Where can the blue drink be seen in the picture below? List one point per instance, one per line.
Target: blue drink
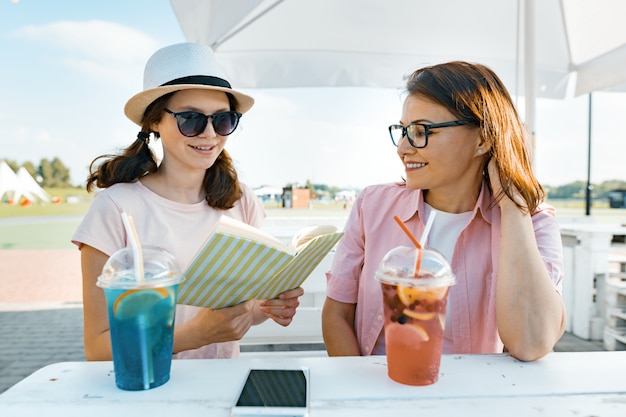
(141, 316)
(142, 331)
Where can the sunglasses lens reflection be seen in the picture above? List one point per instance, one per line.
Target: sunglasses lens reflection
(191, 123)
(225, 123)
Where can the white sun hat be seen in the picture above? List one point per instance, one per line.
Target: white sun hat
(177, 67)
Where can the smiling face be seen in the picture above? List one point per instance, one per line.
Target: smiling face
(449, 167)
(197, 153)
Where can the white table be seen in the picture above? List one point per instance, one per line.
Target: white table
(561, 384)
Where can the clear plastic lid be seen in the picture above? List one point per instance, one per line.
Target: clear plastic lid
(398, 267)
(160, 269)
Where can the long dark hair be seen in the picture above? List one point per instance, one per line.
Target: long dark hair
(474, 92)
(220, 184)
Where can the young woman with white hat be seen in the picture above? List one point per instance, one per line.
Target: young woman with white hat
(187, 104)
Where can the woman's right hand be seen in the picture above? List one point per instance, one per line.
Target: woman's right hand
(214, 326)
(223, 325)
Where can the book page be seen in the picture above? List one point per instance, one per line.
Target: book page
(307, 234)
(230, 226)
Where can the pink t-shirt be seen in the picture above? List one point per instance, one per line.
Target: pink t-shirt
(371, 232)
(176, 227)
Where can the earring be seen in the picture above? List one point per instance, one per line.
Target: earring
(479, 151)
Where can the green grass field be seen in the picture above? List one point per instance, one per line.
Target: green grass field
(43, 226)
(51, 226)
(39, 234)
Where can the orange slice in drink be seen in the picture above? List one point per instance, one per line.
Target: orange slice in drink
(420, 331)
(134, 302)
(419, 315)
(408, 295)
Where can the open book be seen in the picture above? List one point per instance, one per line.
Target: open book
(239, 262)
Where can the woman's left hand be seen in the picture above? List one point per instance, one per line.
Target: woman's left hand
(497, 190)
(283, 308)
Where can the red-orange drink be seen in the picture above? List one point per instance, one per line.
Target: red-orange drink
(415, 313)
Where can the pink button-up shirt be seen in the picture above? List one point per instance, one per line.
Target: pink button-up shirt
(371, 232)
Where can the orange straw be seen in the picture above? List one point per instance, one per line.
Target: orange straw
(415, 242)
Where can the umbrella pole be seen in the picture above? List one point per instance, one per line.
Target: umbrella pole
(589, 186)
(529, 72)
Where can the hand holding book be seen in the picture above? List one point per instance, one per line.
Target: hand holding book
(239, 262)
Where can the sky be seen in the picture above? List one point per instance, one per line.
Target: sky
(67, 67)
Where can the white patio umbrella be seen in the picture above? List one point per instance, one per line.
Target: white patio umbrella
(304, 43)
(534, 46)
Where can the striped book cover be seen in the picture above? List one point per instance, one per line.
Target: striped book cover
(231, 269)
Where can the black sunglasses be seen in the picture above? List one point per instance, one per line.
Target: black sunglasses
(192, 123)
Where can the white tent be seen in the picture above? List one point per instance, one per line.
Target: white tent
(269, 193)
(8, 180)
(15, 186)
(30, 188)
(345, 195)
(268, 190)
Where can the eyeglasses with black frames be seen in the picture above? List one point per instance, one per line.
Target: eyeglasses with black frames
(417, 133)
(192, 123)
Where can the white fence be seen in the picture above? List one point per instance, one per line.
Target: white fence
(589, 255)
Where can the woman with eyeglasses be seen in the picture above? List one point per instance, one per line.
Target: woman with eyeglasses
(466, 157)
(187, 104)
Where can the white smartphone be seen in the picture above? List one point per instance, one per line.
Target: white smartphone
(274, 392)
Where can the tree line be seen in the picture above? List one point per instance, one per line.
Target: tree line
(577, 189)
(574, 189)
(48, 173)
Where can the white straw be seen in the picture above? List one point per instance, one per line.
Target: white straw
(135, 244)
(429, 224)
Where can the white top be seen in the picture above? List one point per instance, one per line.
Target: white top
(445, 230)
(443, 235)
